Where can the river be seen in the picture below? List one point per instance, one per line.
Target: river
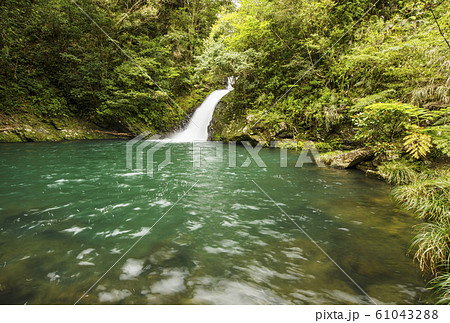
(219, 234)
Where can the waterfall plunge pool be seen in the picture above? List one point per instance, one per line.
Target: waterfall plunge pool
(68, 211)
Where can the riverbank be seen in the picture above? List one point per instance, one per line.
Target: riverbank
(31, 128)
(24, 126)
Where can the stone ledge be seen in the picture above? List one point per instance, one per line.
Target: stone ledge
(351, 159)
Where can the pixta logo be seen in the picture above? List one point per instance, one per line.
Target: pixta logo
(138, 149)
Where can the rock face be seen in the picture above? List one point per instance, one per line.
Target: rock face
(352, 158)
(30, 128)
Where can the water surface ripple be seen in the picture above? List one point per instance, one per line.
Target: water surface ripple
(69, 210)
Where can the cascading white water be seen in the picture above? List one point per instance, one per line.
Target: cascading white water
(197, 128)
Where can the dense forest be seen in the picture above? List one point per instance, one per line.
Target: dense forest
(56, 63)
(304, 69)
(344, 74)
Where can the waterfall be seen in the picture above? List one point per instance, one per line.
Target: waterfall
(197, 128)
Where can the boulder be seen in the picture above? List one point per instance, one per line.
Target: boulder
(352, 158)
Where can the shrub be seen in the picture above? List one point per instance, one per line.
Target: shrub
(386, 122)
(382, 97)
(441, 137)
(323, 146)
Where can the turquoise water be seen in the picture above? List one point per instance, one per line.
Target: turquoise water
(68, 212)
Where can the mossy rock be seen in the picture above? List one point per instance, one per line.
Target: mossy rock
(352, 158)
(9, 136)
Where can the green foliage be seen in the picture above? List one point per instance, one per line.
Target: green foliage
(398, 172)
(417, 144)
(441, 287)
(55, 62)
(386, 122)
(223, 63)
(323, 146)
(427, 198)
(441, 137)
(381, 97)
(386, 126)
(432, 247)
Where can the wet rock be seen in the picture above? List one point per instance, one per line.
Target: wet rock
(352, 158)
(10, 136)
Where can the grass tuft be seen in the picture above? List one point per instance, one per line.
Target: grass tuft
(441, 287)
(429, 198)
(398, 172)
(432, 247)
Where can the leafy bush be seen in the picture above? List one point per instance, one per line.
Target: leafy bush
(381, 97)
(323, 146)
(441, 138)
(386, 122)
(383, 125)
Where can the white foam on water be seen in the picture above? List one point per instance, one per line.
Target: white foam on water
(233, 292)
(84, 253)
(116, 232)
(194, 226)
(53, 276)
(130, 174)
(161, 203)
(172, 285)
(120, 205)
(141, 233)
(75, 230)
(86, 263)
(114, 295)
(238, 206)
(132, 268)
(61, 180)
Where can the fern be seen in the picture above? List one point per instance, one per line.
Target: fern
(441, 137)
(418, 144)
